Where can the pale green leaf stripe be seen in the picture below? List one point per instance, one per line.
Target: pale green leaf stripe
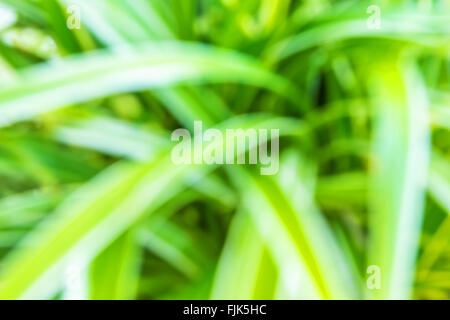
(404, 28)
(401, 152)
(60, 83)
(241, 259)
(7, 17)
(114, 137)
(441, 116)
(114, 274)
(166, 248)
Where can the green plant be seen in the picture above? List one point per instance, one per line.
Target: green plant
(93, 207)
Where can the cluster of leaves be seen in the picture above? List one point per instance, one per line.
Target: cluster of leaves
(91, 205)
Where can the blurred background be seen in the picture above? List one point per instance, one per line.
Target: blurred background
(92, 207)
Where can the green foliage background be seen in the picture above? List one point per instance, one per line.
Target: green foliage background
(92, 207)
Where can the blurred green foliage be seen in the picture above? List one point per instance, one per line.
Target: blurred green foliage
(92, 207)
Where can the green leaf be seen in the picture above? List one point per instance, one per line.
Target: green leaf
(114, 274)
(296, 236)
(245, 269)
(77, 79)
(401, 150)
